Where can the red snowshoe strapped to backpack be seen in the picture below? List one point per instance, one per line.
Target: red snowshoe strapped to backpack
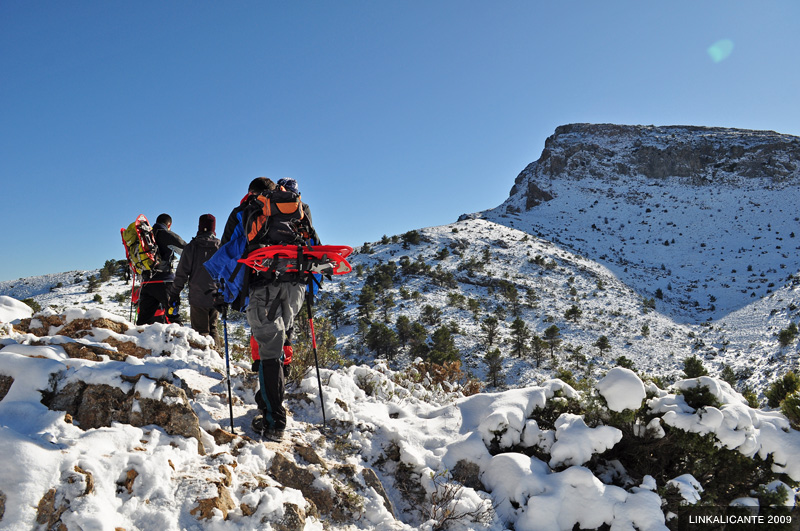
(316, 259)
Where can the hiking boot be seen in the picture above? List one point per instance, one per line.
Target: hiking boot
(263, 430)
(275, 435)
(258, 425)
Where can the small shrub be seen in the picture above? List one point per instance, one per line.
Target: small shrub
(791, 408)
(781, 388)
(700, 396)
(35, 306)
(622, 361)
(787, 335)
(693, 367)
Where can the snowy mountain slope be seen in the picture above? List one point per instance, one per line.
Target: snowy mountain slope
(702, 220)
(707, 215)
(557, 279)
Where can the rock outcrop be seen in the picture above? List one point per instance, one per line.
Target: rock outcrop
(700, 155)
(98, 405)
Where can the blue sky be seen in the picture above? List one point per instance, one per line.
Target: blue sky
(391, 115)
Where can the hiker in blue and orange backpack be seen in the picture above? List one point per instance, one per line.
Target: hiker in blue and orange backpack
(269, 259)
(268, 215)
(275, 301)
(153, 300)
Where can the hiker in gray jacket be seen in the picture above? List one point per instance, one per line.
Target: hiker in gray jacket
(202, 314)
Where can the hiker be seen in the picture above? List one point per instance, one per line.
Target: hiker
(153, 300)
(274, 301)
(203, 315)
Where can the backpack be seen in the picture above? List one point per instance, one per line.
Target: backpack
(274, 217)
(140, 245)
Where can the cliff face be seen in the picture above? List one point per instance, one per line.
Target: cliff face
(697, 155)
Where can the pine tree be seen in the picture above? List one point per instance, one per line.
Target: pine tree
(693, 367)
(93, 284)
(382, 340)
(431, 315)
(553, 337)
(494, 363)
(404, 330)
(410, 238)
(366, 303)
(538, 346)
(443, 347)
(490, 327)
(416, 340)
(781, 388)
(602, 344)
(387, 303)
(336, 312)
(520, 333)
(573, 314)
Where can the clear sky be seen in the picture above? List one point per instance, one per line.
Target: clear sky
(392, 115)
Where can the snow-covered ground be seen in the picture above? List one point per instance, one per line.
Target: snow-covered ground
(129, 477)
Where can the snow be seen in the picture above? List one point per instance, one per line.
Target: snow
(11, 309)
(432, 436)
(622, 389)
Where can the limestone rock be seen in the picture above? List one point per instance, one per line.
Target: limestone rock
(5, 385)
(98, 405)
(294, 519)
(49, 511)
(223, 502)
(128, 348)
(372, 480)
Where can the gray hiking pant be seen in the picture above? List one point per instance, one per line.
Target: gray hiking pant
(271, 313)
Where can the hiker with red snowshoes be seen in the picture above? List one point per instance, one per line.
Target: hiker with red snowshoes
(153, 300)
(203, 315)
(268, 215)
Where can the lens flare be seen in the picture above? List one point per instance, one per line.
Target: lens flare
(720, 50)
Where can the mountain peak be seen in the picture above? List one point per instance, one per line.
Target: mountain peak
(698, 155)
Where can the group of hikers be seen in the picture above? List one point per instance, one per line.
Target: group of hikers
(272, 299)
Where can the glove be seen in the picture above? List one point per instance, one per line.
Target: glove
(256, 365)
(218, 302)
(174, 307)
(287, 354)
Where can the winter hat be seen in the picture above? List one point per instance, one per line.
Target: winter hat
(290, 185)
(208, 223)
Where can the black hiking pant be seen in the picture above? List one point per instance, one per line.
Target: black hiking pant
(269, 395)
(152, 298)
(204, 321)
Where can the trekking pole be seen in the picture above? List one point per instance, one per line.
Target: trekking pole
(133, 287)
(228, 363)
(309, 296)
